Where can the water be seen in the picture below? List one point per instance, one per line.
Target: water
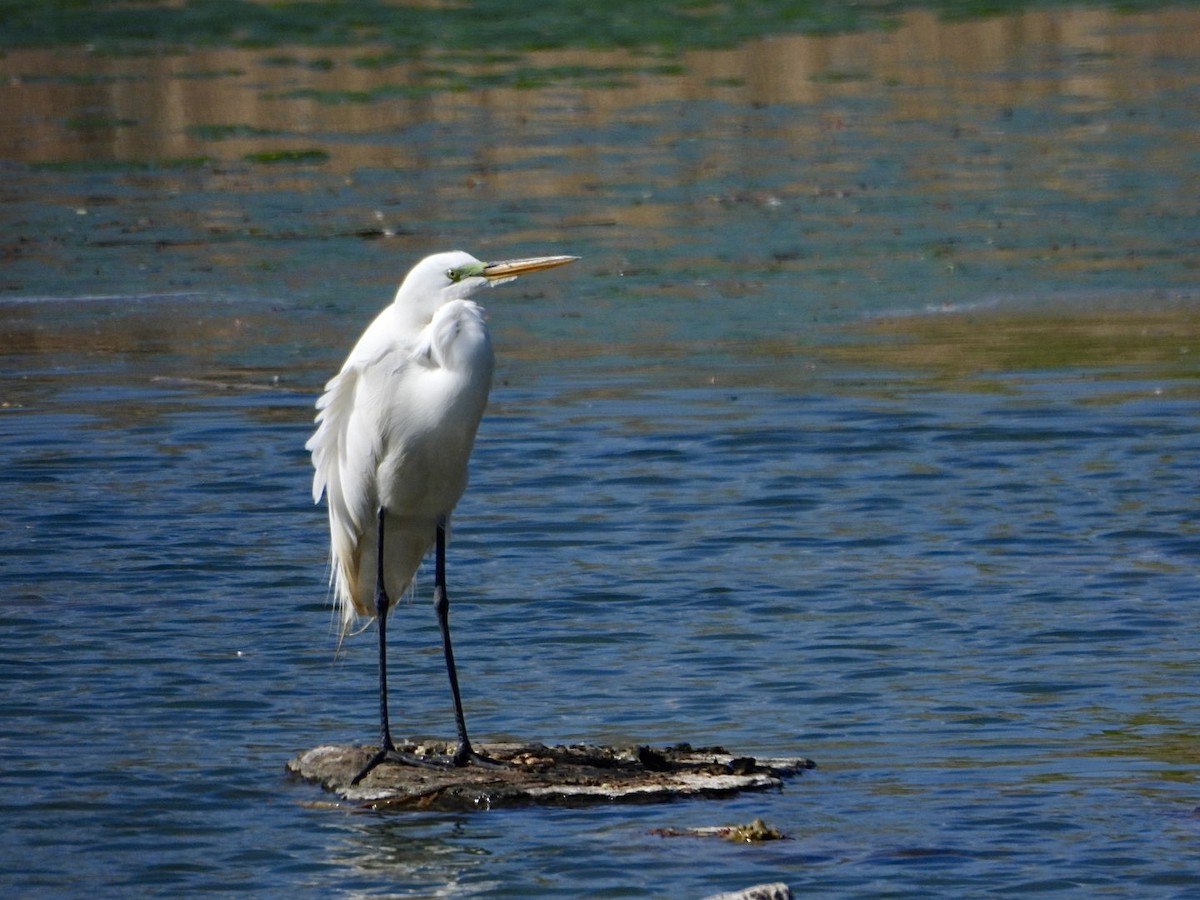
(865, 430)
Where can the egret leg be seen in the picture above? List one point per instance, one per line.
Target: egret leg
(465, 753)
(387, 750)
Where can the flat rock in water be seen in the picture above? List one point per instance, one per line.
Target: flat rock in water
(536, 774)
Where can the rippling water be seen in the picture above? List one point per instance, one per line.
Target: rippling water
(738, 484)
(971, 606)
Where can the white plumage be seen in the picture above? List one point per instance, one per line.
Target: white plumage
(394, 434)
(396, 427)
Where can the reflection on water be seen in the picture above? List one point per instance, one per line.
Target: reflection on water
(780, 185)
(224, 102)
(865, 429)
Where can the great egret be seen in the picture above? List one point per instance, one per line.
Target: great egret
(394, 431)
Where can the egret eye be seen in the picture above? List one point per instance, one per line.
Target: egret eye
(453, 275)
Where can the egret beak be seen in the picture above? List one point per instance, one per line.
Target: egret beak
(511, 268)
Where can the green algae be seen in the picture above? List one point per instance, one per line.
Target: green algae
(308, 156)
(977, 342)
(482, 25)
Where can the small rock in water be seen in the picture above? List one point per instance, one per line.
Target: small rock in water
(750, 833)
(775, 891)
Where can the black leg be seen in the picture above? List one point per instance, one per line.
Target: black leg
(387, 750)
(465, 753)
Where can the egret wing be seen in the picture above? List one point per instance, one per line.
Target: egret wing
(346, 450)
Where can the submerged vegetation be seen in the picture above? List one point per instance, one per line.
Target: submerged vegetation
(478, 25)
(1005, 340)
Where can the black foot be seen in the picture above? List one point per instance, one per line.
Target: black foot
(379, 757)
(466, 755)
(392, 755)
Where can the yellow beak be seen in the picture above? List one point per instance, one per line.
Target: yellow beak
(511, 268)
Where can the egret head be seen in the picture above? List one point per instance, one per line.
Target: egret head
(438, 279)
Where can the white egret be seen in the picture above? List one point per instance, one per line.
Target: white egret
(394, 432)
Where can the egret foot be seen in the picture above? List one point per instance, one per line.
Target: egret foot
(466, 755)
(393, 755)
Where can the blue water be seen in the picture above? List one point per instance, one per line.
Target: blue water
(713, 499)
(972, 608)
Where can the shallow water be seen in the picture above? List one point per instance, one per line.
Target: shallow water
(865, 430)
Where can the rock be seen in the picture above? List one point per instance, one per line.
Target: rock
(749, 833)
(533, 773)
(775, 891)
